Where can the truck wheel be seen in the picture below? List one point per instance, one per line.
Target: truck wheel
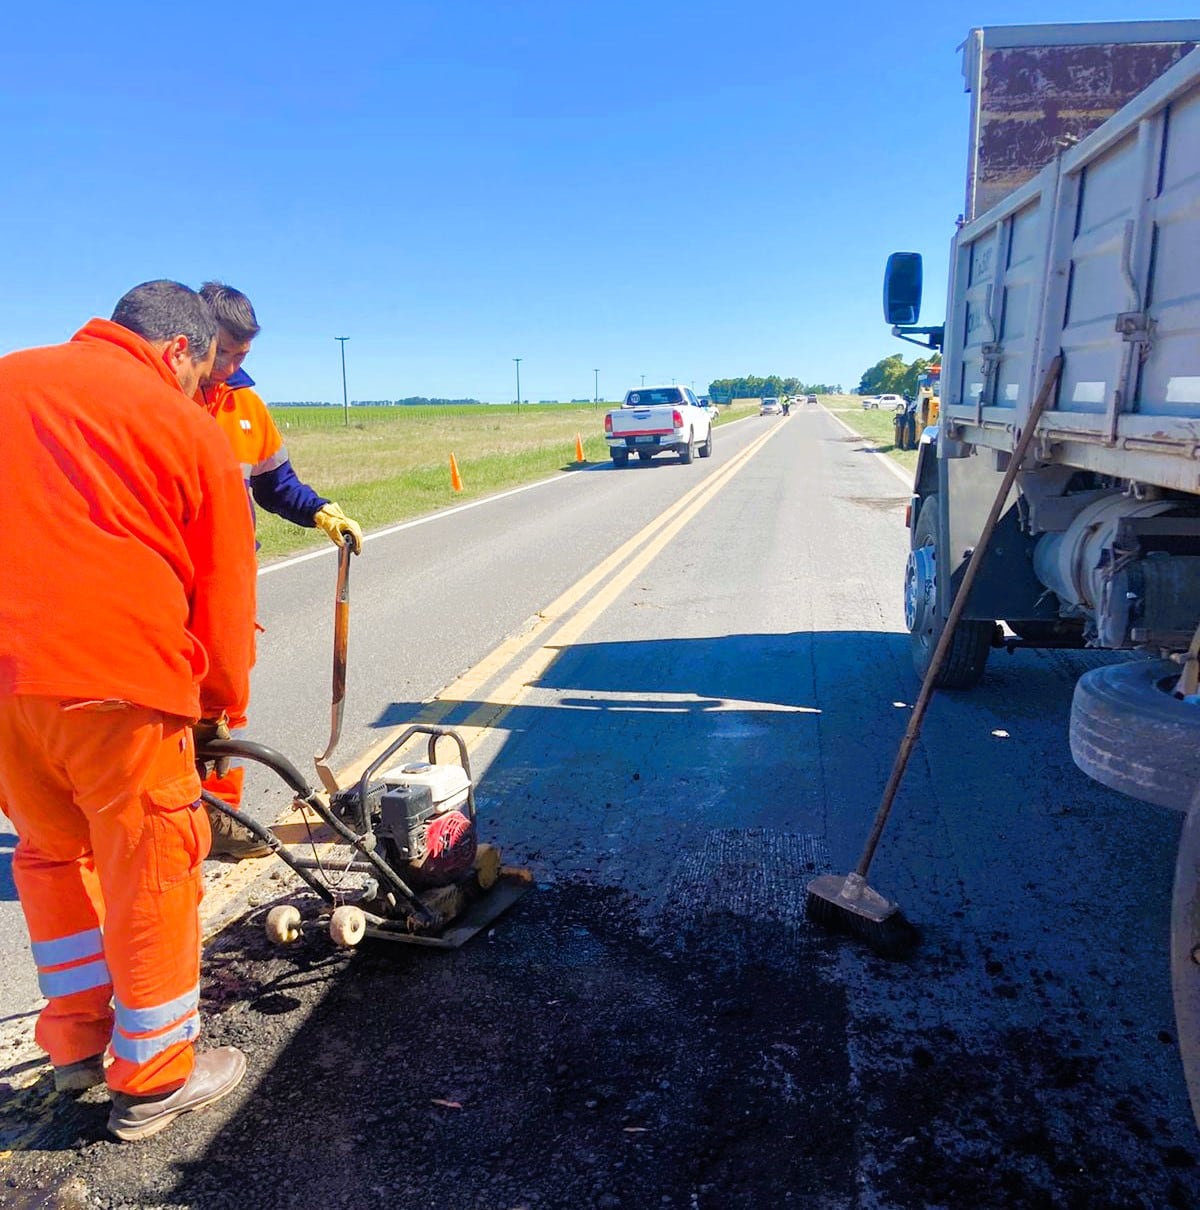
(1129, 733)
(972, 640)
(706, 448)
(620, 457)
(1185, 952)
(644, 456)
(688, 452)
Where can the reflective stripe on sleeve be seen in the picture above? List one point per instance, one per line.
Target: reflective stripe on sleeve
(73, 948)
(278, 458)
(74, 979)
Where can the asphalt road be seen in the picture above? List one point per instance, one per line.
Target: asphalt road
(673, 747)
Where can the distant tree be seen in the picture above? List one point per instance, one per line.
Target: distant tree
(892, 376)
(885, 377)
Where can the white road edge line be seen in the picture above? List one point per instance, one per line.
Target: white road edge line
(890, 463)
(331, 551)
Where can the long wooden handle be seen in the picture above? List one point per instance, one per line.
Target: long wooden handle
(956, 610)
(341, 642)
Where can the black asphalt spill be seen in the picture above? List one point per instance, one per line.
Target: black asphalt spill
(571, 1058)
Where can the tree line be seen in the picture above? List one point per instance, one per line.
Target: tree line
(721, 390)
(891, 376)
(413, 401)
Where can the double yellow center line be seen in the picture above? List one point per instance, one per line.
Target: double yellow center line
(509, 672)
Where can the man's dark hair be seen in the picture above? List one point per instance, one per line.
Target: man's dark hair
(232, 309)
(162, 310)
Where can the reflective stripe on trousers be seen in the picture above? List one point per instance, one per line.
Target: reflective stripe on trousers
(143, 1033)
(70, 964)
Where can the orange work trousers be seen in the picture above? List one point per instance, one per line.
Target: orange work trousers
(104, 797)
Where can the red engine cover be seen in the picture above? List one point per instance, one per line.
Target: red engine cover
(449, 850)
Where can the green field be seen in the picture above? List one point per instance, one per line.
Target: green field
(391, 464)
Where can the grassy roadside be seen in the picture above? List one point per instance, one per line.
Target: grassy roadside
(387, 469)
(873, 424)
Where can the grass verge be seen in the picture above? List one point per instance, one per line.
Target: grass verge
(875, 425)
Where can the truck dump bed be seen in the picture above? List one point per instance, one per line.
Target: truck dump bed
(1099, 256)
(1036, 89)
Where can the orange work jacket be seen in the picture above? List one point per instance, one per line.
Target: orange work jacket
(127, 545)
(258, 446)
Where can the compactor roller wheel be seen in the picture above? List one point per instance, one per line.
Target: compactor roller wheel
(487, 866)
(347, 926)
(283, 924)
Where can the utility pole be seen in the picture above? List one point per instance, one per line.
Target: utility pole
(518, 361)
(596, 396)
(643, 380)
(345, 397)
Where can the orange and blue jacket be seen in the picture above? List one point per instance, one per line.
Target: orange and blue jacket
(258, 446)
(131, 574)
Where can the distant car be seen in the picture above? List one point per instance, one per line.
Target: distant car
(884, 401)
(771, 407)
(811, 399)
(711, 408)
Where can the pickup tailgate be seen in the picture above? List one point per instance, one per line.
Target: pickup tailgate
(643, 422)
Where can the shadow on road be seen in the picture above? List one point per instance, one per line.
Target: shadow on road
(8, 888)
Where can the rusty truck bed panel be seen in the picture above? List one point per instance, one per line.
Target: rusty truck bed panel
(1031, 101)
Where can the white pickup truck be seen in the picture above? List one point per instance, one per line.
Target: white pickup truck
(654, 419)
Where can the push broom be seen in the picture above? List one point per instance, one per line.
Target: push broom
(850, 904)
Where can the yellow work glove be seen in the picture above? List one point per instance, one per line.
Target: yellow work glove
(208, 729)
(340, 528)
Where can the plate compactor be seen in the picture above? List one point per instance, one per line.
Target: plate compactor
(403, 861)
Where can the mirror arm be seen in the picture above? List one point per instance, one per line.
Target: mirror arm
(936, 336)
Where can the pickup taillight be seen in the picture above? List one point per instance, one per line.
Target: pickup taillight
(608, 424)
(677, 419)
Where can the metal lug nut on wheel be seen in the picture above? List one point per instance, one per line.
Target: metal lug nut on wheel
(283, 924)
(347, 926)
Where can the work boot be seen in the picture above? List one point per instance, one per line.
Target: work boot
(80, 1075)
(216, 1073)
(232, 839)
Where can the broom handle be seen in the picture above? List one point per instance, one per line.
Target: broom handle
(960, 601)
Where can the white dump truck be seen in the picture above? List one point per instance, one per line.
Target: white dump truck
(1079, 288)
(1095, 258)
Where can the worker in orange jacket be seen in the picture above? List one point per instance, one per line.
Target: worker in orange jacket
(129, 636)
(273, 484)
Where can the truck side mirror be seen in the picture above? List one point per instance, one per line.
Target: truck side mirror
(902, 289)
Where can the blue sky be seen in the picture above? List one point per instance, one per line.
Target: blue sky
(681, 190)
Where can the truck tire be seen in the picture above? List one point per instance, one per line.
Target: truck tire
(620, 457)
(688, 452)
(706, 448)
(1185, 940)
(967, 657)
(1129, 733)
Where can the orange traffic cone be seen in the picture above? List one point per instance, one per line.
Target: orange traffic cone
(579, 449)
(455, 477)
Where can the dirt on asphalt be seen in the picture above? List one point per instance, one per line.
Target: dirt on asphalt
(582, 1055)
